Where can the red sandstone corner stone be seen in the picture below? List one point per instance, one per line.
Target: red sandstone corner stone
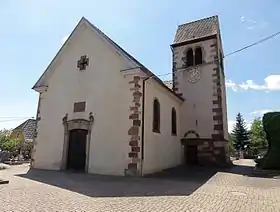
(136, 123)
(133, 108)
(133, 143)
(215, 80)
(217, 110)
(137, 94)
(218, 117)
(137, 104)
(134, 116)
(218, 127)
(219, 101)
(135, 149)
(133, 155)
(133, 130)
(132, 166)
(135, 137)
(136, 100)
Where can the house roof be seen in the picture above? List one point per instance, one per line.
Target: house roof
(197, 29)
(121, 50)
(28, 128)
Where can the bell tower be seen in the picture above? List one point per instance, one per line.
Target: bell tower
(198, 76)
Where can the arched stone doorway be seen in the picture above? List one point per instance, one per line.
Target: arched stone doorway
(76, 154)
(190, 147)
(76, 146)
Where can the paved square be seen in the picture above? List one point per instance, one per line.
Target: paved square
(195, 190)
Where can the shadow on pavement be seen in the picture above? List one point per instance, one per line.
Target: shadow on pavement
(200, 173)
(110, 186)
(179, 181)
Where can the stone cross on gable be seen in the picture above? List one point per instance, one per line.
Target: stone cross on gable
(83, 63)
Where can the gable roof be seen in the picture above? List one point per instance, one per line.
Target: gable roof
(168, 83)
(124, 53)
(28, 129)
(197, 29)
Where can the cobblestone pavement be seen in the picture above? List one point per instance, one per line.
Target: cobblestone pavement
(231, 190)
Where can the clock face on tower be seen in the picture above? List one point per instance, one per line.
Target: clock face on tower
(194, 75)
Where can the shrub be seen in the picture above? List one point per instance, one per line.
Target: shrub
(271, 124)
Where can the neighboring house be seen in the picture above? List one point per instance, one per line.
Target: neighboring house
(25, 131)
(102, 111)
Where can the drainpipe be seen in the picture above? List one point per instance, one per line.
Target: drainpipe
(143, 123)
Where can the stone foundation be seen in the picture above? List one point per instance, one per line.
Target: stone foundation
(210, 152)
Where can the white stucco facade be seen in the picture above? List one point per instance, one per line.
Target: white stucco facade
(106, 93)
(106, 89)
(197, 110)
(117, 94)
(161, 150)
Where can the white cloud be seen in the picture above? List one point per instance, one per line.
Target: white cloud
(251, 24)
(231, 84)
(262, 112)
(249, 84)
(271, 83)
(250, 27)
(231, 124)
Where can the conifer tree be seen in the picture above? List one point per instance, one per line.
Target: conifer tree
(240, 133)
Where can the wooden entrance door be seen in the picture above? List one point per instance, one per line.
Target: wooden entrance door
(191, 154)
(76, 159)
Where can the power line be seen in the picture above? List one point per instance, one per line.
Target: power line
(10, 120)
(253, 44)
(19, 117)
(160, 75)
(231, 53)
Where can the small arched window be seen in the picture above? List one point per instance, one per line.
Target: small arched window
(173, 122)
(189, 58)
(198, 56)
(156, 116)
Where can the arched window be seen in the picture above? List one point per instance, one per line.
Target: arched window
(156, 116)
(173, 122)
(189, 58)
(198, 56)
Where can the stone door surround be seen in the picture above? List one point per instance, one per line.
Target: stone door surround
(72, 124)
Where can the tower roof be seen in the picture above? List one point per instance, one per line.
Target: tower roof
(197, 29)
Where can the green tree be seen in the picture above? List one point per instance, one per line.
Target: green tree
(240, 133)
(4, 137)
(231, 143)
(12, 146)
(257, 135)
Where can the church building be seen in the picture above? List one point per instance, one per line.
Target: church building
(103, 112)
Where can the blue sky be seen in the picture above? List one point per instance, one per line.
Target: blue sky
(32, 32)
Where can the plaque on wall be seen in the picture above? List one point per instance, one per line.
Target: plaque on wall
(79, 106)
